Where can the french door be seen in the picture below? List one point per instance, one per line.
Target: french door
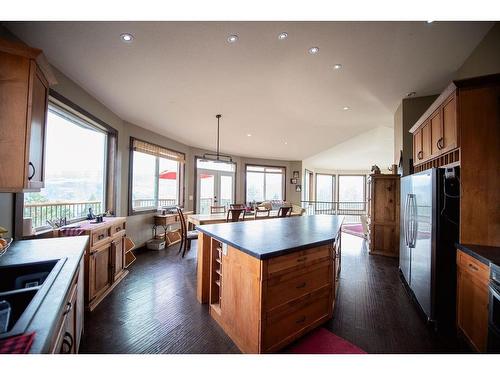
(214, 187)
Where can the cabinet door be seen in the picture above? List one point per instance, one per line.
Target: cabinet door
(436, 136)
(118, 257)
(449, 141)
(37, 121)
(100, 271)
(417, 147)
(14, 73)
(472, 308)
(426, 141)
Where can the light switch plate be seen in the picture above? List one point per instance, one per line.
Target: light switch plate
(224, 248)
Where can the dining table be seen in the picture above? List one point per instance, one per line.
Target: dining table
(216, 218)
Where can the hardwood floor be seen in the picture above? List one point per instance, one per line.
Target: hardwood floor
(154, 309)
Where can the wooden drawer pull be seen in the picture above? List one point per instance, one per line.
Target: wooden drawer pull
(301, 285)
(473, 267)
(69, 305)
(118, 229)
(301, 320)
(100, 237)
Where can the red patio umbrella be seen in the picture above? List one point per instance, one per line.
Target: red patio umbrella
(172, 175)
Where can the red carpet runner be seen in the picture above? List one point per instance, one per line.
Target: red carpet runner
(322, 341)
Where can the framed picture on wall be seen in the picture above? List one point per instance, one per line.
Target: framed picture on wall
(298, 188)
(293, 181)
(295, 174)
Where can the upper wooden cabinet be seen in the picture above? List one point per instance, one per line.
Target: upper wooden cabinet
(435, 133)
(24, 86)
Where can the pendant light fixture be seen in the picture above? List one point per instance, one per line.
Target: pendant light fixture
(218, 156)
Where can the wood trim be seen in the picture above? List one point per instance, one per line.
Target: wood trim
(266, 166)
(195, 181)
(182, 176)
(434, 106)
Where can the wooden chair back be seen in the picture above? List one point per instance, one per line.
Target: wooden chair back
(233, 214)
(285, 211)
(261, 213)
(183, 222)
(217, 209)
(237, 206)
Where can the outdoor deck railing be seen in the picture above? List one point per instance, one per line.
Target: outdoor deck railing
(351, 210)
(40, 212)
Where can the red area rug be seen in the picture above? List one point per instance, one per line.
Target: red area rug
(354, 229)
(322, 341)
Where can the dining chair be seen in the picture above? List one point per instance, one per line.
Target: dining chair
(217, 209)
(285, 211)
(186, 235)
(237, 206)
(233, 214)
(261, 213)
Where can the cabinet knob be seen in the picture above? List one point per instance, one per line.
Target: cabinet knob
(69, 305)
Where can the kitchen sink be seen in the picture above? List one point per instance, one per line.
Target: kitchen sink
(24, 287)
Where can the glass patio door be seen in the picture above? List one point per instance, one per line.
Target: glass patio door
(215, 185)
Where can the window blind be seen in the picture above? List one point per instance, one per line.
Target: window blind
(162, 152)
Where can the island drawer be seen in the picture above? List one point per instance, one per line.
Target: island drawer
(473, 266)
(290, 286)
(118, 227)
(288, 323)
(299, 259)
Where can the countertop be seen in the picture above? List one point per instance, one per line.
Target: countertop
(485, 254)
(269, 238)
(46, 317)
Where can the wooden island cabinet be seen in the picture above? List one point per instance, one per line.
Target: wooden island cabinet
(105, 257)
(268, 282)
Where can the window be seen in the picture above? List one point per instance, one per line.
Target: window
(351, 188)
(265, 183)
(156, 174)
(75, 170)
(325, 187)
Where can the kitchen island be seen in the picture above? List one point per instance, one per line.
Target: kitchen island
(268, 282)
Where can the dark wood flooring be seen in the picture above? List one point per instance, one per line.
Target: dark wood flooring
(154, 309)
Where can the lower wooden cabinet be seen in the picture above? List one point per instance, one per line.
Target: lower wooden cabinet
(70, 327)
(472, 300)
(100, 276)
(105, 264)
(283, 297)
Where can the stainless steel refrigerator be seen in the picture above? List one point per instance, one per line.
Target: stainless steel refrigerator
(428, 233)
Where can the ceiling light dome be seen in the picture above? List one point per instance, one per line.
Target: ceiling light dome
(313, 50)
(337, 66)
(127, 37)
(282, 36)
(232, 38)
(346, 108)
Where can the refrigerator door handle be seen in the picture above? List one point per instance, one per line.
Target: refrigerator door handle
(414, 226)
(405, 219)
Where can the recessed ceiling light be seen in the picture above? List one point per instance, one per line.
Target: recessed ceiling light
(337, 66)
(232, 38)
(286, 142)
(249, 135)
(282, 36)
(313, 50)
(412, 93)
(127, 37)
(346, 108)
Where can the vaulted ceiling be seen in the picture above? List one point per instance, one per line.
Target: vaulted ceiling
(176, 76)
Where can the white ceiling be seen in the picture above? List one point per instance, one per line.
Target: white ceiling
(375, 146)
(176, 76)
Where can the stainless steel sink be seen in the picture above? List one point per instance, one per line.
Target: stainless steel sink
(24, 287)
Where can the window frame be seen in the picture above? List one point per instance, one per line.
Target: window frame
(352, 175)
(181, 183)
(334, 186)
(283, 168)
(110, 164)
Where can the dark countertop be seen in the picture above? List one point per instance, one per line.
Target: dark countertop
(485, 254)
(46, 317)
(269, 238)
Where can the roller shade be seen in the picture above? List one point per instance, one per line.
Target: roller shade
(151, 149)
